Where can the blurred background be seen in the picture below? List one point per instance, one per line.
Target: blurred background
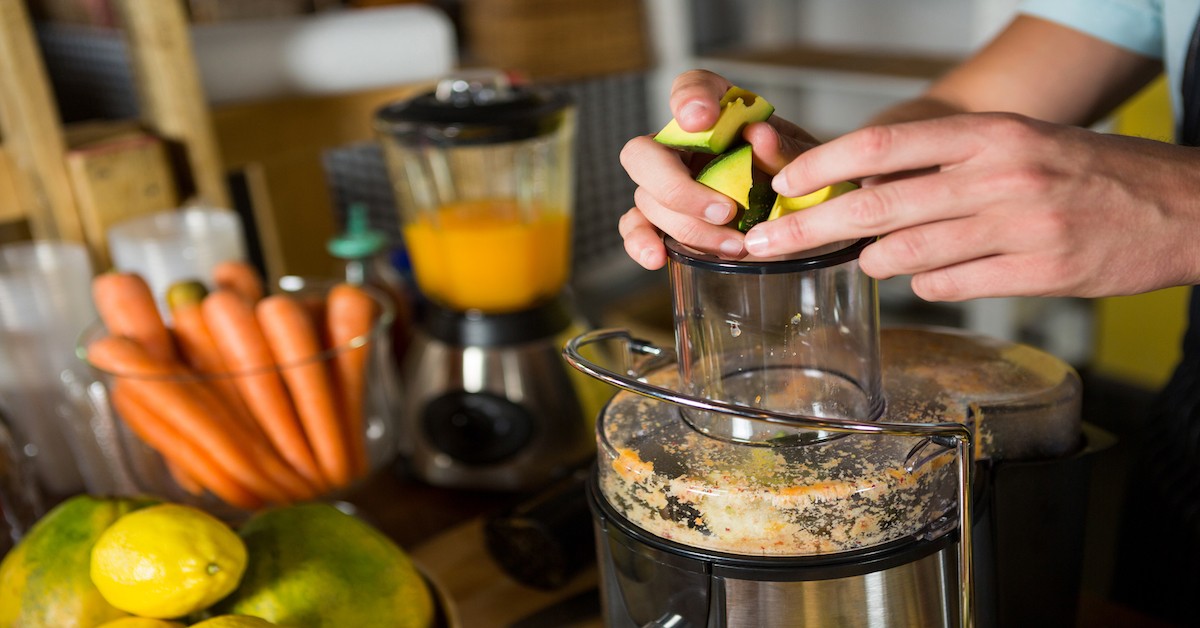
(115, 109)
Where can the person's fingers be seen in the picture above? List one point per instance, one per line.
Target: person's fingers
(774, 148)
(894, 148)
(996, 276)
(695, 98)
(719, 240)
(643, 242)
(931, 246)
(866, 212)
(658, 171)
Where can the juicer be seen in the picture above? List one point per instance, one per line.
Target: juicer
(788, 463)
(482, 174)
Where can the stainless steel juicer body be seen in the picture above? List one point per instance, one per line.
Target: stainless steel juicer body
(718, 509)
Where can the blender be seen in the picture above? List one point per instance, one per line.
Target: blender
(482, 174)
(789, 463)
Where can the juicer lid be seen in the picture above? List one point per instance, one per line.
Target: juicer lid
(475, 107)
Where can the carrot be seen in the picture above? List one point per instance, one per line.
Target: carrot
(294, 343)
(240, 278)
(127, 308)
(244, 350)
(181, 454)
(183, 479)
(350, 314)
(200, 350)
(161, 385)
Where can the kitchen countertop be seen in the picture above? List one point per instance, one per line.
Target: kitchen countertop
(442, 529)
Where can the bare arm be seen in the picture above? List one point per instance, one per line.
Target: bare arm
(1035, 68)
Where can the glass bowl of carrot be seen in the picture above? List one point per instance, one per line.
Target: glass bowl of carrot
(234, 400)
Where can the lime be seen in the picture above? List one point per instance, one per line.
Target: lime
(167, 561)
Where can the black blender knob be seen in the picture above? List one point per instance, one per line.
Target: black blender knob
(477, 428)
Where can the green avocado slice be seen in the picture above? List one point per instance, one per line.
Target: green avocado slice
(762, 198)
(733, 174)
(739, 107)
(784, 205)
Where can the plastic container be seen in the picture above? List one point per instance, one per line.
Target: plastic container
(176, 245)
(45, 301)
(20, 500)
(798, 336)
(160, 476)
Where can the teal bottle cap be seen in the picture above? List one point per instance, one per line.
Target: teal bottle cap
(358, 240)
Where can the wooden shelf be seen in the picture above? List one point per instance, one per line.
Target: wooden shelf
(849, 61)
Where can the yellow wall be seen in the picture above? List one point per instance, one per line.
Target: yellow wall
(1138, 336)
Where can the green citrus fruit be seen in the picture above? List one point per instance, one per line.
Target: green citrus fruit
(312, 565)
(44, 579)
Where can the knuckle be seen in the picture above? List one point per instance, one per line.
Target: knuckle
(911, 246)
(793, 233)
(868, 208)
(689, 232)
(1015, 130)
(1024, 180)
(674, 194)
(874, 141)
(936, 285)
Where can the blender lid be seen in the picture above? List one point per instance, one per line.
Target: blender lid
(475, 107)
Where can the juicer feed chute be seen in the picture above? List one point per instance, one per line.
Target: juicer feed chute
(836, 475)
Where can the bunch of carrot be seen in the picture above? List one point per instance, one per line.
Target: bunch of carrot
(240, 394)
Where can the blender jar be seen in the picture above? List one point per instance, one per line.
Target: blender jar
(482, 172)
(796, 336)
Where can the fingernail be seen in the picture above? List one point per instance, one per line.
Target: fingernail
(780, 185)
(717, 213)
(756, 243)
(690, 110)
(731, 248)
(645, 256)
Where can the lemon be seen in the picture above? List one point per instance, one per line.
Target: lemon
(167, 561)
(785, 205)
(139, 622)
(234, 621)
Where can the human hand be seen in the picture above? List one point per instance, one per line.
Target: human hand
(668, 199)
(986, 205)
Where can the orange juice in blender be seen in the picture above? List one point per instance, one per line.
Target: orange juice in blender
(489, 254)
(482, 171)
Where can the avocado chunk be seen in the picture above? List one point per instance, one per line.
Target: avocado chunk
(731, 174)
(739, 107)
(734, 175)
(784, 205)
(762, 199)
